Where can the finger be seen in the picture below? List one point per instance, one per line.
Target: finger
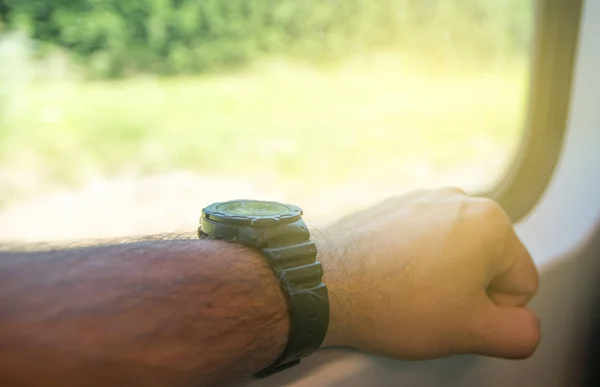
(505, 332)
(518, 280)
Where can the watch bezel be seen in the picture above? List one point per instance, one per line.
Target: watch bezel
(214, 213)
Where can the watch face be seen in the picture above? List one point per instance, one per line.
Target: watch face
(252, 212)
(252, 208)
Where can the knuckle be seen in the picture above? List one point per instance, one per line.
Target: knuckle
(451, 191)
(533, 283)
(490, 211)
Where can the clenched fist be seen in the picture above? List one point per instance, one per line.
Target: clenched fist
(430, 274)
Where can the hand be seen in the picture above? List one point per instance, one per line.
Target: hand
(430, 274)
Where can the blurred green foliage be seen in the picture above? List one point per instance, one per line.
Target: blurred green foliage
(113, 38)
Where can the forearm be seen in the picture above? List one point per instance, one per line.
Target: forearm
(162, 313)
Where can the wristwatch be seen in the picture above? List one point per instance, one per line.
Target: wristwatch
(283, 238)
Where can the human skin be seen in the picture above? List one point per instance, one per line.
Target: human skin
(421, 276)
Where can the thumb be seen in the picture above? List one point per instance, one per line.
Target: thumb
(504, 331)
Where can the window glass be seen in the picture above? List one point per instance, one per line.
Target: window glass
(124, 117)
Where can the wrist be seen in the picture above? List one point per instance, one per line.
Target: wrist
(332, 278)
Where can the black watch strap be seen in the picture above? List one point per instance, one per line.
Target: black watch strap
(300, 277)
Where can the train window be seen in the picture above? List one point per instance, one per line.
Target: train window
(147, 110)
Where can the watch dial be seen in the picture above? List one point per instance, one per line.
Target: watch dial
(252, 208)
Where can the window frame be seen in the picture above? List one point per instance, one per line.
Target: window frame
(556, 36)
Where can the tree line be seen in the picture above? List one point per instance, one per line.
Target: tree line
(114, 38)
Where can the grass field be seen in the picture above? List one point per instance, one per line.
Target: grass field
(372, 117)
